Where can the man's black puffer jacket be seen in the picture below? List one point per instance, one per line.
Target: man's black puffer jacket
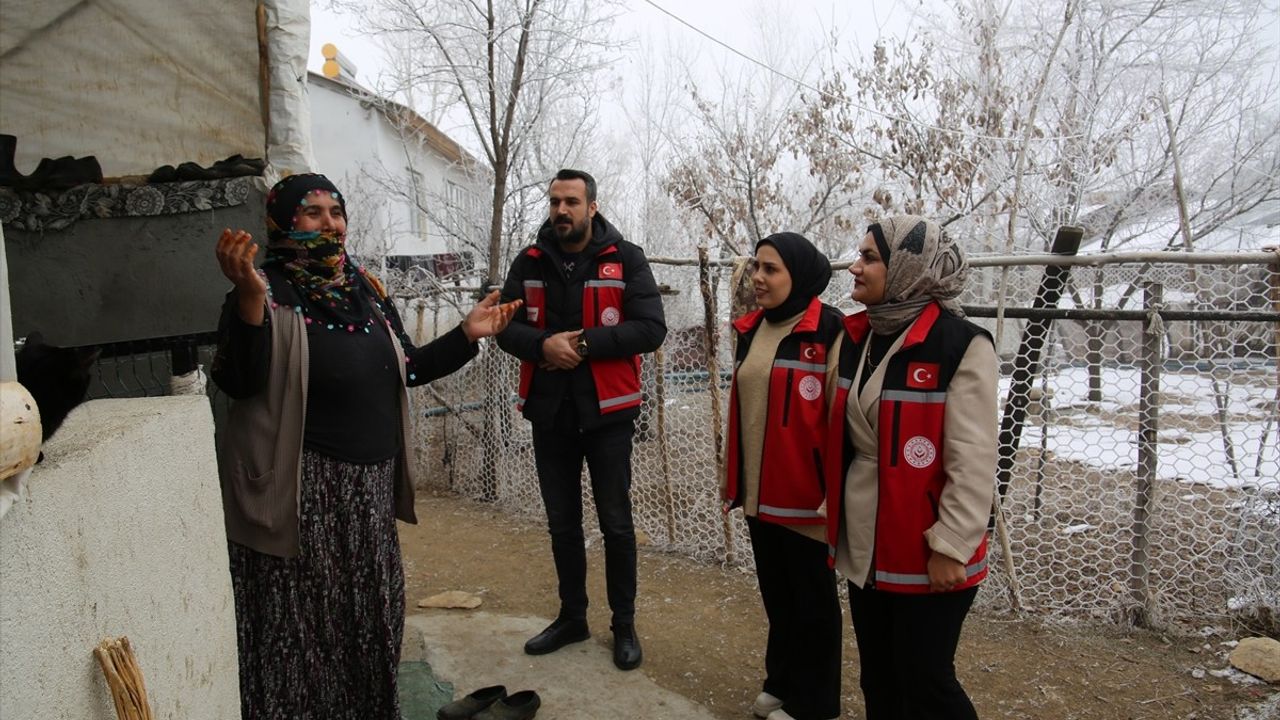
(642, 329)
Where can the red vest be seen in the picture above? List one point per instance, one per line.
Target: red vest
(911, 414)
(617, 380)
(793, 481)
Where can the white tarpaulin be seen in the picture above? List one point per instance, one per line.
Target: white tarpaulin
(145, 83)
(289, 35)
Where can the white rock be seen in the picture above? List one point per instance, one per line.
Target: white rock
(451, 599)
(1074, 529)
(1258, 656)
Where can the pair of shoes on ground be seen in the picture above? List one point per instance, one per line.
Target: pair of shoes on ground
(627, 654)
(492, 703)
(769, 707)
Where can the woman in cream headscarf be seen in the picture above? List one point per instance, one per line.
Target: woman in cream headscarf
(914, 430)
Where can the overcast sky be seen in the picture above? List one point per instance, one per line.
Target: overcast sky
(733, 22)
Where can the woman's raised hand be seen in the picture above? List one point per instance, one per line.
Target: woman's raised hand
(489, 317)
(236, 251)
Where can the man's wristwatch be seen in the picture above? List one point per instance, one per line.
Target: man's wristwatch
(582, 346)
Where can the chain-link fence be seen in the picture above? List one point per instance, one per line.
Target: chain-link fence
(1140, 427)
(1140, 466)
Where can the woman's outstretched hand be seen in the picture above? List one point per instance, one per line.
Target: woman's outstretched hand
(489, 317)
(236, 251)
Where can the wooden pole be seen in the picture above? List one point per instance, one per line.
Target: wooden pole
(419, 329)
(1094, 331)
(660, 358)
(712, 335)
(1220, 399)
(1044, 442)
(492, 432)
(1144, 493)
(1274, 419)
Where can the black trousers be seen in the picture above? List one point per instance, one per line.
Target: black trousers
(907, 648)
(802, 659)
(558, 452)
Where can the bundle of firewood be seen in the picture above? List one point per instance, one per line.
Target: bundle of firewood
(124, 677)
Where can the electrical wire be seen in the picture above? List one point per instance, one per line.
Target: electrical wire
(870, 111)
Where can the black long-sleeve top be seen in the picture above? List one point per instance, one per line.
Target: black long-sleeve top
(353, 385)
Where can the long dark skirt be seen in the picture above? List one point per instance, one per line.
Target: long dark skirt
(319, 634)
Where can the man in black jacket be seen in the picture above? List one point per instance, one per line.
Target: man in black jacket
(591, 307)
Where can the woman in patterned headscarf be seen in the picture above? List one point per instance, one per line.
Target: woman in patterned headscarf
(914, 434)
(313, 459)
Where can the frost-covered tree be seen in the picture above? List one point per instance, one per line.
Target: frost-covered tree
(510, 77)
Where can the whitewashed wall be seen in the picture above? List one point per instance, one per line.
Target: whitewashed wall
(120, 533)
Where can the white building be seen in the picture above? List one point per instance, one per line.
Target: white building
(415, 196)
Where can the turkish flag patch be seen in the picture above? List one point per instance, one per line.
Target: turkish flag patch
(922, 376)
(611, 271)
(813, 353)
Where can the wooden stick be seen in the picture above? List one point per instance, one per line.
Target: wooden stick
(124, 679)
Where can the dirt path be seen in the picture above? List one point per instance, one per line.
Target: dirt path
(703, 633)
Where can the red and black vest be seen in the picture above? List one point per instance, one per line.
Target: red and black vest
(617, 380)
(912, 410)
(793, 473)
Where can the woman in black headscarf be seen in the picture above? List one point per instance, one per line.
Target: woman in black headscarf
(778, 412)
(313, 458)
(914, 437)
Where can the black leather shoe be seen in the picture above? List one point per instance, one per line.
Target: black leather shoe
(465, 708)
(626, 647)
(516, 706)
(557, 635)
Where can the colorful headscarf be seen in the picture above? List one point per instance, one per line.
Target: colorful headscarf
(810, 273)
(922, 265)
(315, 263)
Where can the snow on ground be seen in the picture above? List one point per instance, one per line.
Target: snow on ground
(1107, 437)
(1250, 231)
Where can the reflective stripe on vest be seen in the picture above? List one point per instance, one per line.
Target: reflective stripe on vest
(632, 399)
(788, 512)
(889, 578)
(798, 365)
(914, 396)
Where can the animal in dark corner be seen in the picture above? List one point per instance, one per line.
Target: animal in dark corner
(56, 377)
